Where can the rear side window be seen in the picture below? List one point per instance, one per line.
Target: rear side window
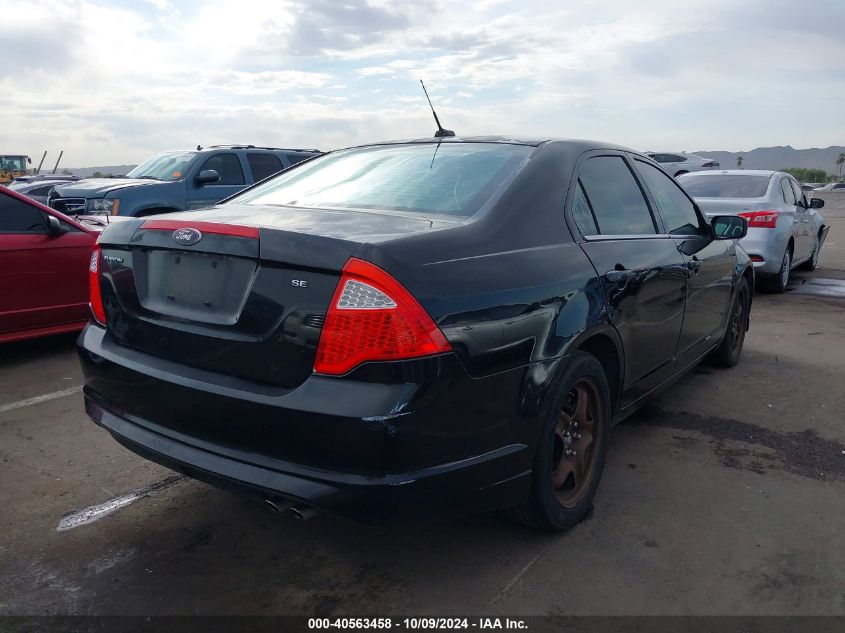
(786, 190)
(582, 213)
(724, 186)
(296, 158)
(799, 194)
(19, 217)
(229, 168)
(675, 208)
(431, 178)
(615, 198)
(263, 165)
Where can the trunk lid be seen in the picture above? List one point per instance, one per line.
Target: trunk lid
(727, 206)
(248, 297)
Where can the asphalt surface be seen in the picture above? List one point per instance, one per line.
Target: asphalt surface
(724, 496)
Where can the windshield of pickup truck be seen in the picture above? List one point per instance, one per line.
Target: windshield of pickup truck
(428, 178)
(168, 166)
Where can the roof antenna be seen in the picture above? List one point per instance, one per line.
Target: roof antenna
(441, 132)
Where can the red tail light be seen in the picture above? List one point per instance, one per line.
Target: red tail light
(94, 293)
(761, 219)
(373, 318)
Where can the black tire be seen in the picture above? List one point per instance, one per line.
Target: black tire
(777, 283)
(681, 173)
(730, 349)
(813, 262)
(548, 508)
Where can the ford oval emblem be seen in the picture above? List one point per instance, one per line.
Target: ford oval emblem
(186, 236)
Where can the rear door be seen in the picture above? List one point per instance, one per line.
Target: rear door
(44, 279)
(710, 264)
(232, 180)
(797, 213)
(643, 274)
(809, 217)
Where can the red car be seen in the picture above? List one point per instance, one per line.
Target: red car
(44, 257)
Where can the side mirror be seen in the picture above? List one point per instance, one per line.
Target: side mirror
(55, 227)
(207, 177)
(728, 227)
(816, 203)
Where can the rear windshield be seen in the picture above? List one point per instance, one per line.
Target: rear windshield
(428, 178)
(728, 186)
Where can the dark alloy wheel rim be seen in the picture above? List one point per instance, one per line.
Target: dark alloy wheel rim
(576, 440)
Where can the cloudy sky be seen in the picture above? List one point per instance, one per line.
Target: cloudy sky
(111, 82)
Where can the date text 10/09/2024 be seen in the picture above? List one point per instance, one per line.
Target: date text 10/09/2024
(421, 623)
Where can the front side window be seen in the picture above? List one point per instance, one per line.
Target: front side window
(229, 168)
(615, 197)
(19, 217)
(676, 209)
(167, 166)
(435, 178)
(13, 163)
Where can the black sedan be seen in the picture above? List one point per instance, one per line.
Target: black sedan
(415, 329)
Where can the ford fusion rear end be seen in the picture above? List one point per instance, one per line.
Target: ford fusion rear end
(271, 345)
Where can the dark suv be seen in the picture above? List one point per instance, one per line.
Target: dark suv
(176, 180)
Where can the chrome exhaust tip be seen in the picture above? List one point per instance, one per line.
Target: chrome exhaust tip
(303, 512)
(276, 507)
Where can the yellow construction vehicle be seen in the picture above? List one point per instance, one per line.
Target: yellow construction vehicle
(12, 166)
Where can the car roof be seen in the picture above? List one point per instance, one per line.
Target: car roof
(576, 145)
(735, 172)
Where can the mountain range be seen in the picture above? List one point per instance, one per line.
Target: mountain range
(779, 157)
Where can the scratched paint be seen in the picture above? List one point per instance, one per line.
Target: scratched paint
(102, 510)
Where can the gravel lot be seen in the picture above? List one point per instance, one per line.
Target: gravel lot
(724, 496)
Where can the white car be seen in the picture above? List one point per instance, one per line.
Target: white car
(677, 164)
(785, 230)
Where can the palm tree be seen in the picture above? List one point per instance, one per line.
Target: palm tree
(739, 162)
(839, 162)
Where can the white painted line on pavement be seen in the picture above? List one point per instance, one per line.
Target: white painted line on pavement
(102, 510)
(37, 399)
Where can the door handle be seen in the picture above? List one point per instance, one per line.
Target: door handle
(618, 274)
(694, 265)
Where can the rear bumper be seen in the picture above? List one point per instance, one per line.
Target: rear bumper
(770, 244)
(331, 443)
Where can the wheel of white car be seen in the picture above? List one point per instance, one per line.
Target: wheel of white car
(782, 278)
(813, 262)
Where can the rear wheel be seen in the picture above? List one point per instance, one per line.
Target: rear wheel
(729, 351)
(681, 173)
(777, 283)
(813, 262)
(570, 457)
